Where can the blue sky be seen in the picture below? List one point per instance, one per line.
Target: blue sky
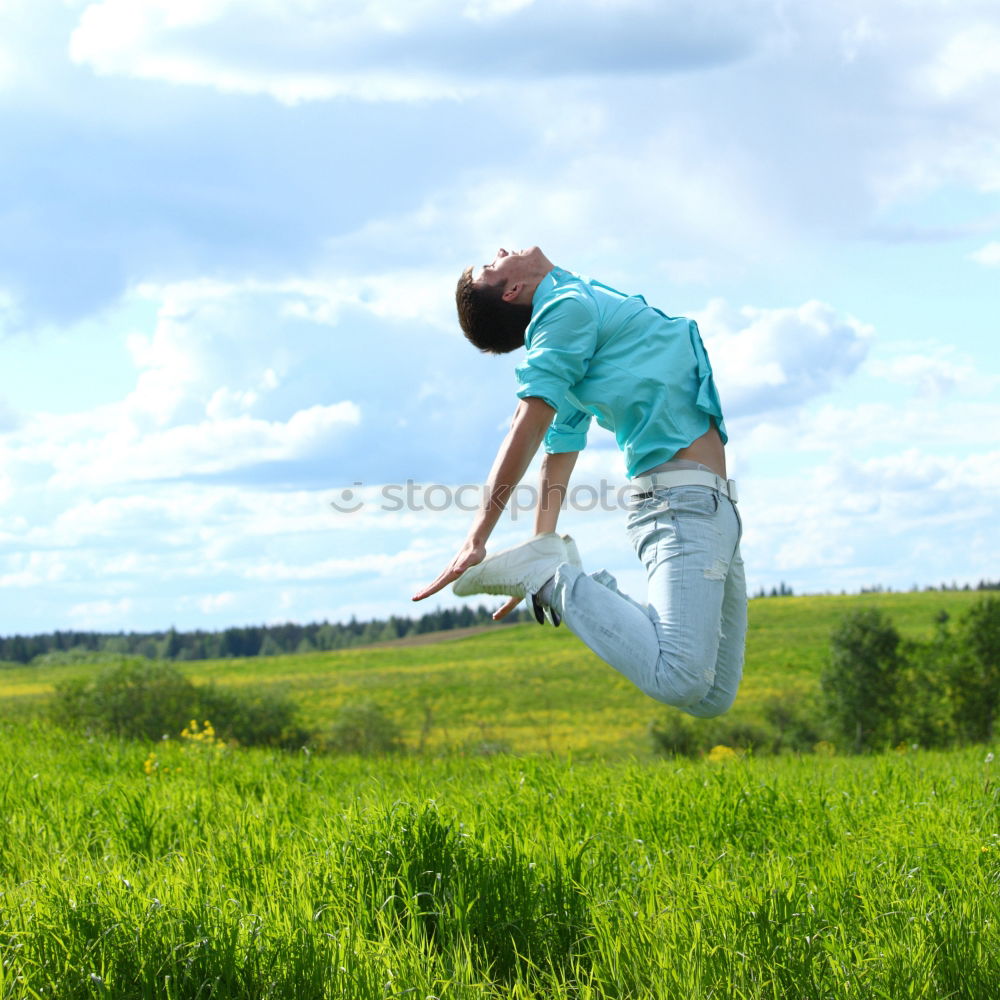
(231, 233)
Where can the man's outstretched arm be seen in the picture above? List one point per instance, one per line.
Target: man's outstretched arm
(531, 420)
(553, 482)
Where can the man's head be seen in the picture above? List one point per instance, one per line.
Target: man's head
(494, 301)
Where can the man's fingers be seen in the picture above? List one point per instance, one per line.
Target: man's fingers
(506, 609)
(439, 584)
(461, 563)
(448, 576)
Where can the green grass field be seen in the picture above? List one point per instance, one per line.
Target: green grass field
(246, 874)
(187, 869)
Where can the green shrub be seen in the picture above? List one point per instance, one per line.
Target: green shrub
(137, 699)
(685, 736)
(675, 734)
(147, 699)
(363, 728)
(250, 717)
(795, 723)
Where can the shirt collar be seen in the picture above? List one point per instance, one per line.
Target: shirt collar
(547, 285)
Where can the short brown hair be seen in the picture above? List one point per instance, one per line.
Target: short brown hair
(492, 325)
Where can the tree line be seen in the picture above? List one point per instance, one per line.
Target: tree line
(785, 591)
(240, 641)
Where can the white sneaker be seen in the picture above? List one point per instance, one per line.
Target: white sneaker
(544, 612)
(517, 572)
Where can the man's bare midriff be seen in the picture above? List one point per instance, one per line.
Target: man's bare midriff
(706, 450)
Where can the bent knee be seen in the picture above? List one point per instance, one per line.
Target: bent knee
(694, 690)
(685, 689)
(713, 704)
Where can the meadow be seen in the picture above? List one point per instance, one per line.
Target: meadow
(248, 874)
(579, 866)
(525, 689)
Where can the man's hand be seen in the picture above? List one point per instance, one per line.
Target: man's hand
(469, 554)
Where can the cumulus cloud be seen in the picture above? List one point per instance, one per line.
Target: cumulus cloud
(422, 49)
(772, 359)
(211, 446)
(622, 128)
(891, 520)
(933, 374)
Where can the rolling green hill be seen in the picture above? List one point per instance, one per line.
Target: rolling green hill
(525, 689)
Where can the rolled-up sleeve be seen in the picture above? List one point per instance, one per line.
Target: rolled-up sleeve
(568, 430)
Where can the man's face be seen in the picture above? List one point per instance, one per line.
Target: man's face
(507, 265)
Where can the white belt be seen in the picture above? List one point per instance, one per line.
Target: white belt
(685, 477)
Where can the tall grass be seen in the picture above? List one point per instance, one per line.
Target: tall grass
(254, 874)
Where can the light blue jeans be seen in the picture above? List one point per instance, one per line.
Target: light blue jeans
(685, 647)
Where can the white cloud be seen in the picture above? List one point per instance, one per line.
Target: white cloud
(379, 51)
(967, 61)
(853, 523)
(934, 374)
(219, 378)
(988, 256)
(128, 519)
(770, 359)
(33, 569)
(211, 446)
(485, 10)
(211, 604)
(100, 614)
(384, 565)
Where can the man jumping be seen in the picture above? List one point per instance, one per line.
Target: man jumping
(594, 352)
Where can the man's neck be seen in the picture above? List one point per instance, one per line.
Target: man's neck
(534, 279)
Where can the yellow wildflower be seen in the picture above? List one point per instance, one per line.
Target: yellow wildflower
(721, 753)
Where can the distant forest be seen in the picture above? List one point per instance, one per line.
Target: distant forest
(250, 640)
(272, 640)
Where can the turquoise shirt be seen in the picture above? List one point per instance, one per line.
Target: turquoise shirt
(595, 352)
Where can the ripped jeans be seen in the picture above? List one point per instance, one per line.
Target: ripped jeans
(685, 647)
